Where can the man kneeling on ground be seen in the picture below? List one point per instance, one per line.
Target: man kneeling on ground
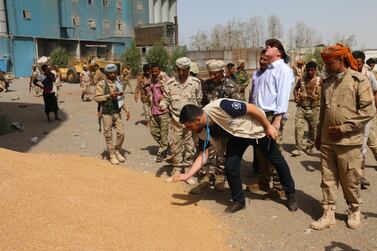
(231, 126)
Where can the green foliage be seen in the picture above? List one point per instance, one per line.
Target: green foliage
(158, 54)
(316, 57)
(132, 56)
(59, 57)
(178, 53)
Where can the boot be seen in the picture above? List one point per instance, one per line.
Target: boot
(114, 160)
(201, 188)
(327, 219)
(219, 182)
(354, 218)
(296, 153)
(176, 172)
(119, 156)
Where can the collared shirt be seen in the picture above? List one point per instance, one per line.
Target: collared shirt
(157, 96)
(273, 93)
(257, 79)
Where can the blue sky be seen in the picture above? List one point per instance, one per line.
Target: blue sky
(326, 17)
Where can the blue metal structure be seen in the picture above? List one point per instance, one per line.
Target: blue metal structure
(83, 27)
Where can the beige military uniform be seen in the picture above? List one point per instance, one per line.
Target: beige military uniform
(176, 96)
(85, 84)
(346, 101)
(111, 113)
(98, 76)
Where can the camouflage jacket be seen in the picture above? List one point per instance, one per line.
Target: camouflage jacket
(242, 78)
(142, 89)
(225, 88)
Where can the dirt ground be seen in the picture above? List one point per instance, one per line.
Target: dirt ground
(263, 225)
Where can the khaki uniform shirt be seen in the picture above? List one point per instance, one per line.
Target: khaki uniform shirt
(85, 76)
(142, 89)
(98, 76)
(100, 96)
(348, 102)
(179, 94)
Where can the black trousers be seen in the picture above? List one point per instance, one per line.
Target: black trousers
(235, 149)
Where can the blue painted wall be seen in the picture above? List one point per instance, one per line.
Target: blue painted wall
(23, 56)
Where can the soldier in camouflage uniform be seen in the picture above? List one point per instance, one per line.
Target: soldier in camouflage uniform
(242, 78)
(307, 95)
(179, 91)
(159, 120)
(142, 90)
(214, 88)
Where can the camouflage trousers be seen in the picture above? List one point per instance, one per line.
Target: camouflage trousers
(310, 117)
(213, 167)
(146, 111)
(159, 128)
(267, 171)
(85, 89)
(182, 145)
(110, 121)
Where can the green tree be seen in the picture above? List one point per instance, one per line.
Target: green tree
(132, 56)
(316, 57)
(178, 53)
(59, 57)
(158, 54)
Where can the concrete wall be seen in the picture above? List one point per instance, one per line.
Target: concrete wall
(229, 56)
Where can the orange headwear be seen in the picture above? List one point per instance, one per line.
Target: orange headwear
(339, 51)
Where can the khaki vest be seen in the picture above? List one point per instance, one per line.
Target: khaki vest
(243, 126)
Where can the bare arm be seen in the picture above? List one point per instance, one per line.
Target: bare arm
(198, 163)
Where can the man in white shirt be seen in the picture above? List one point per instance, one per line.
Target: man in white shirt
(272, 96)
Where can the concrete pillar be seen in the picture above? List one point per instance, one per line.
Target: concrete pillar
(157, 11)
(151, 11)
(78, 50)
(165, 11)
(172, 10)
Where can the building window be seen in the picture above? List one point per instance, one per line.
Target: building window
(92, 24)
(90, 1)
(105, 3)
(26, 14)
(76, 21)
(119, 25)
(106, 25)
(140, 6)
(143, 50)
(119, 6)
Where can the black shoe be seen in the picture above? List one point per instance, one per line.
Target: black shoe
(292, 202)
(234, 207)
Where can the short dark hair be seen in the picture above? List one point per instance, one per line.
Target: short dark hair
(358, 54)
(311, 65)
(189, 113)
(263, 51)
(371, 61)
(44, 66)
(153, 65)
(146, 67)
(230, 65)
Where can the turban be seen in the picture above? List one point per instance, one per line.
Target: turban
(183, 62)
(215, 65)
(111, 68)
(339, 51)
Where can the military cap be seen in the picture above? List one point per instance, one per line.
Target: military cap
(183, 62)
(241, 61)
(194, 68)
(215, 65)
(111, 68)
